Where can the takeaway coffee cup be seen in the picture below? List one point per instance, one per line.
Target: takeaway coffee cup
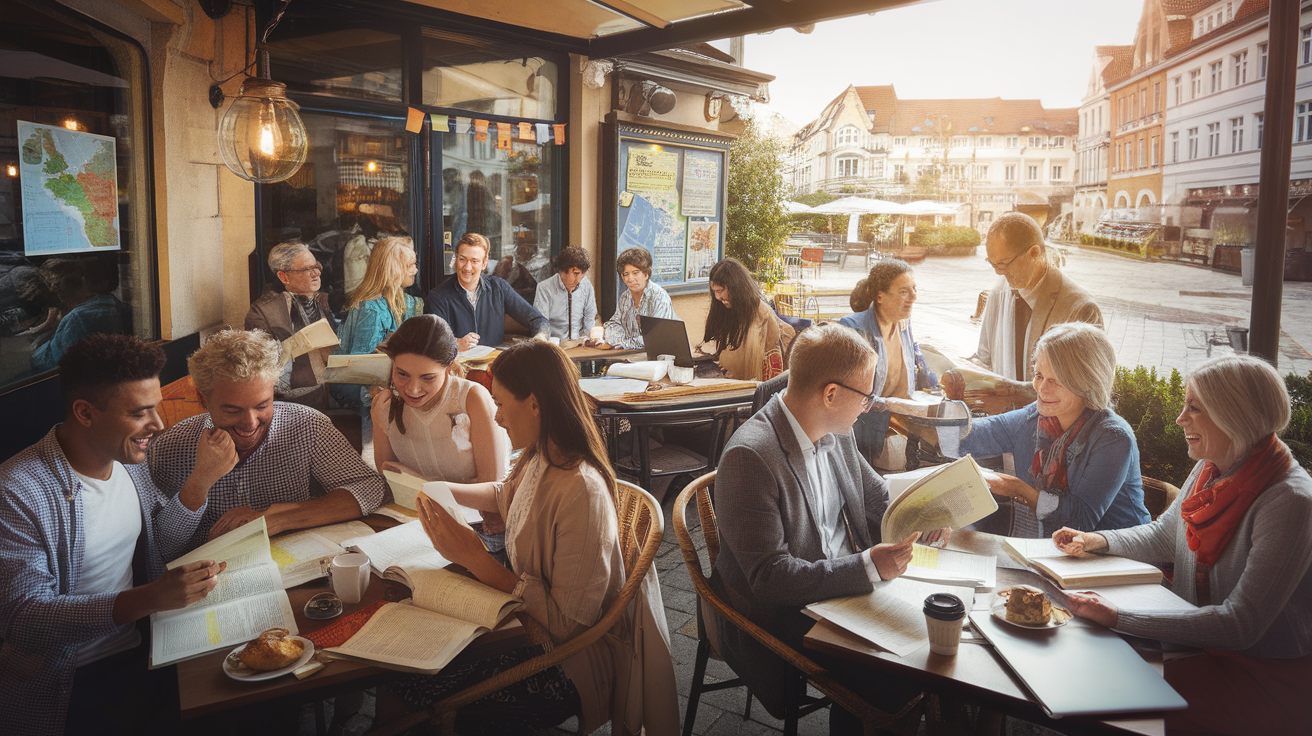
(350, 575)
(944, 616)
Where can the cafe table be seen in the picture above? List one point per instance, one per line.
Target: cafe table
(977, 674)
(204, 691)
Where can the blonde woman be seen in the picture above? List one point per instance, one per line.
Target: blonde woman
(379, 304)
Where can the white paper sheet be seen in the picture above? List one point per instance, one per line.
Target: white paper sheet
(611, 386)
(951, 566)
(892, 616)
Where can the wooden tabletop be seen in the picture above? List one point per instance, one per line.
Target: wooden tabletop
(616, 403)
(583, 353)
(976, 673)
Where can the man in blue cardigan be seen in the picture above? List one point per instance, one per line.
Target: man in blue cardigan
(476, 304)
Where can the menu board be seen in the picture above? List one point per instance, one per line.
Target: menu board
(671, 203)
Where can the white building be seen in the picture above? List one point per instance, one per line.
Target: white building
(994, 154)
(1093, 144)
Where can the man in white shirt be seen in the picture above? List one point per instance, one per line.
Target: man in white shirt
(799, 512)
(84, 537)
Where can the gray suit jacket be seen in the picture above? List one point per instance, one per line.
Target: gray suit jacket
(771, 562)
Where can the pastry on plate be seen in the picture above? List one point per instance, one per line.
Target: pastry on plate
(1027, 606)
(272, 650)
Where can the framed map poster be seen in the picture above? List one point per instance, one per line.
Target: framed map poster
(669, 190)
(69, 185)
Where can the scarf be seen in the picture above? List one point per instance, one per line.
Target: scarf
(1212, 511)
(305, 310)
(1051, 444)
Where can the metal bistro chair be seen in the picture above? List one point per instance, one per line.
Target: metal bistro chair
(805, 670)
(641, 526)
(645, 463)
(795, 299)
(812, 258)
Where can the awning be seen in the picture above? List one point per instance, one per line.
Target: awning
(604, 28)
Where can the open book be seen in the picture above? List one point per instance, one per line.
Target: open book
(303, 556)
(1043, 556)
(315, 336)
(249, 598)
(447, 612)
(407, 486)
(951, 495)
(400, 553)
(892, 616)
(372, 369)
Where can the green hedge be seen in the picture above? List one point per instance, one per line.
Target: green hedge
(1150, 403)
(945, 239)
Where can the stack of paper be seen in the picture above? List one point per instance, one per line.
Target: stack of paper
(952, 567)
(891, 617)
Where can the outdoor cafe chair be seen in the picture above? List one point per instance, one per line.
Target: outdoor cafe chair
(641, 526)
(796, 299)
(645, 462)
(812, 258)
(802, 669)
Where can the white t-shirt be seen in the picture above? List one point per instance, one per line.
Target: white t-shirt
(111, 514)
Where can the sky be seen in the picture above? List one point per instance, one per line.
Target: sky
(1015, 49)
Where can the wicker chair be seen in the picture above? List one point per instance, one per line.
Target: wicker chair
(1158, 495)
(641, 526)
(806, 670)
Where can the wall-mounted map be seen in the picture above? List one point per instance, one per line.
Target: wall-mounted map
(69, 184)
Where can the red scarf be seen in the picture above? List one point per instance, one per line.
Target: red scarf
(1212, 512)
(1050, 475)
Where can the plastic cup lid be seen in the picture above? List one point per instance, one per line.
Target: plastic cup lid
(944, 607)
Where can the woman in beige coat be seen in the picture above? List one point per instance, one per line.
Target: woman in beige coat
(562, 539)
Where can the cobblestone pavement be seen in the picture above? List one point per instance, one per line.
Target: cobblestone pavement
(1158, 314)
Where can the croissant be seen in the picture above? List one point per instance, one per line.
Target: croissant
(272, 650)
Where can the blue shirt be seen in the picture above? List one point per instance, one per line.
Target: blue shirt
(369, 323)
(101, 313)
(496, 299)
(572, 315)
(42, 539)
(624, 329)
(1102, 468)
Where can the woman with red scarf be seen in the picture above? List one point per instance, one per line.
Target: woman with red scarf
(1239, 537)
(1077, 462)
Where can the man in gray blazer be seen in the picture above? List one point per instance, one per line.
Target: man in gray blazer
(799, 513)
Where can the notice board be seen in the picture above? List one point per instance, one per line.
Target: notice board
(669, 192)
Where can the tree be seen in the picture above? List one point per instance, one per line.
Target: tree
(755, 221)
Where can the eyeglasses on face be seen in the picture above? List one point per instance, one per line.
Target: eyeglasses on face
(866, 399)
(1002, 266)
(316, 268)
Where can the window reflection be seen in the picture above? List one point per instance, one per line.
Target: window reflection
(326, 56)
(479, 76)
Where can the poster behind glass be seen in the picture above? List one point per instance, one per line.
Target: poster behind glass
(505, 195)
(671, 204)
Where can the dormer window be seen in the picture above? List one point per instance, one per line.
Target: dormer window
(847, 136)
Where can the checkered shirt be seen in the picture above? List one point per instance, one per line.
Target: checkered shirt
(303, 456)
(624, 329)
(42, 540)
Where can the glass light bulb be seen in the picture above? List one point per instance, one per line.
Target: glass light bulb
(261, 136)
(266, 139)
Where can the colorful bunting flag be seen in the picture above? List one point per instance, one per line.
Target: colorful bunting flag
(560, 133)
(440, 123)
(480, 130)
(544, 133)
(414, 120)
(526, 131)
(503, 136)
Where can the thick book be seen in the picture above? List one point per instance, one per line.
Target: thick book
(447, 612)
(1089, 571)
(248, 599)
(951, 495)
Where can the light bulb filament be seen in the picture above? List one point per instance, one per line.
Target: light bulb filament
(266, 139)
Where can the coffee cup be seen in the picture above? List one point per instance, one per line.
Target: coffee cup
(553, 340)
(668, 360)
(350, 576)
(679, 374)
(945, 614)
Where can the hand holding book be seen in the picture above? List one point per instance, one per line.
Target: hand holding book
(1077, 543)
(453, 539)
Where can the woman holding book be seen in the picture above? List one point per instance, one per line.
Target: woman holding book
(565, 564)
(750, 339)
(882, 302)
(1238, 537)
(378, 306)
(1077, 462)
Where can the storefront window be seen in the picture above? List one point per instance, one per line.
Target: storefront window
(504, 195)
(75, 236)
(327, 56)
(480, 76)
(353, 189)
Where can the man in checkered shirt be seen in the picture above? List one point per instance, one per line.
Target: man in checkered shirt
(84, 536)
(294, 468)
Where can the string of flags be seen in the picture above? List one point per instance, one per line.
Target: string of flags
(505, 132)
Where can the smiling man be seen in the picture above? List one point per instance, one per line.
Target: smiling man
(84, 537)
(476, 304)
(283, 314)
(293, 467)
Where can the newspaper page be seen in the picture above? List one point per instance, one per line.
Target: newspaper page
(892, 616)
(303, 556)
(953, 496)
(315, 336)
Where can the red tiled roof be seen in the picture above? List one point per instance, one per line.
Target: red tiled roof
(989, 115)
(1121, 64)
(881, 99)
(1182, 30)
(1184, 7)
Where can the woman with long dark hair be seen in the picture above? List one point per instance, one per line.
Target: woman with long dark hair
(562, 536)
(882, 302)
(750, 339)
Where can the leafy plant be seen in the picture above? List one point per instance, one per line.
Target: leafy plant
(946, 239)
(755, 221)
(1150, 404)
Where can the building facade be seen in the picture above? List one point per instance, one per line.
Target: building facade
(1093, 144)
(1138, 108)
(990, 154)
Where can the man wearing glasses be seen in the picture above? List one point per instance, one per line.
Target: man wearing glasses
(284, 314)
(1033, 296)
(799, 514)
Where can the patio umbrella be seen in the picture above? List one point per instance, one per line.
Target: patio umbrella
(929, 207)
(858, 206)
(796, 208)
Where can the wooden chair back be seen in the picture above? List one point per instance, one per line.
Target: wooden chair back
(813, 255)
(700, 489)
(1158, 495)
(641, 526)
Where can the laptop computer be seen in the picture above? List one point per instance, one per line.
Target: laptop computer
(666, 337)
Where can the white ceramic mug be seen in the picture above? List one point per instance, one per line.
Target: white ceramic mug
(350, 575)
(668, 360)
(553, 340)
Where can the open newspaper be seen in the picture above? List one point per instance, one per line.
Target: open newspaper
(951, 495)
(304, 555)
(1043, 556)
(315, 336)
(891, 616)
(248, 599)
(446, 613)
(372, 369)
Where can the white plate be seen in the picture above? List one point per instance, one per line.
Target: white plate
(999, 611)
(247, 675)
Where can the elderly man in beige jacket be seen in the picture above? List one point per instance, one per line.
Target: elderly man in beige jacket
(1032, 297)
